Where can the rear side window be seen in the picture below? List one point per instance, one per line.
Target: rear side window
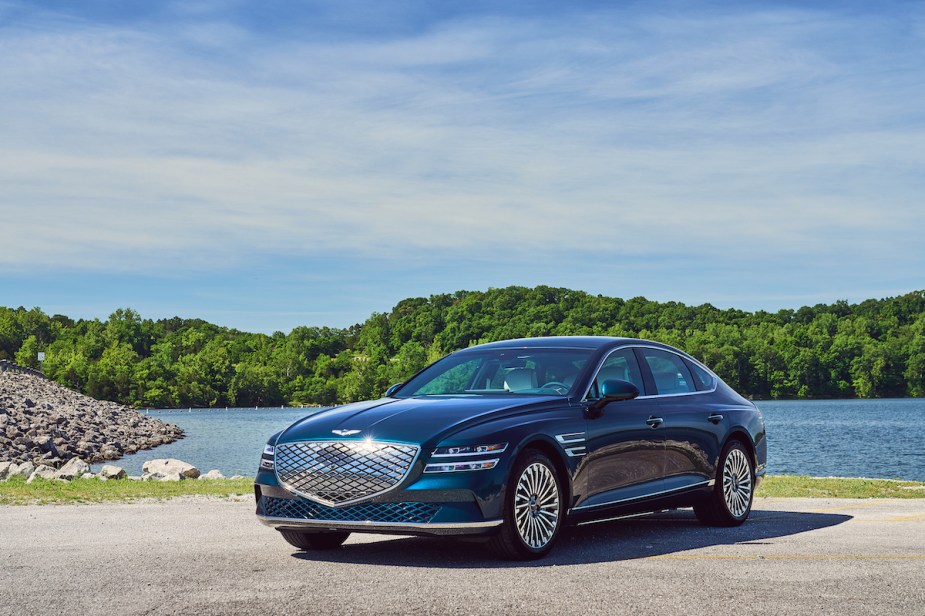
(703, 379)
(669, 372)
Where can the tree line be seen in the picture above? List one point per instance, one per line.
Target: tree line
(875, 348)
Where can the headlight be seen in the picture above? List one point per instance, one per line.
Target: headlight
(266, 460)
(468, 450)
(452, 467)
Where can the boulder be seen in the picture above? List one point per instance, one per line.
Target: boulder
(88, 476)
(5, 469)
(43, 471)
(110, 471)
(24, 469)
(168, 469)
(239, 477)
(213, 474)
(75, 467)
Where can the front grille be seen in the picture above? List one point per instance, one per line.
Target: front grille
(340, 472)
(417, 513)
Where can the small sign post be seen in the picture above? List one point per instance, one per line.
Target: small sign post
(42, 360)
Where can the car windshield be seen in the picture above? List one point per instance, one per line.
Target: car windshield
(546, 372)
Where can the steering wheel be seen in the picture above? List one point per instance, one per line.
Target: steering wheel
(561, 388)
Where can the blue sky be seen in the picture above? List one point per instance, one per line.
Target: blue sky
(274, 164)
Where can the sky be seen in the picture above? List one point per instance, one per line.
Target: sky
(275, 164)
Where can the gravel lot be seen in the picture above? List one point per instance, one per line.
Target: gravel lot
(209, 556)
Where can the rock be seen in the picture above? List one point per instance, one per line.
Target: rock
(238, 477)
(110, 471)
(75, 467)
(164, 469)
(5, 469)
(134, 478)
(213, 474)
(43, 471)
(21, 470)
(40, 417)
(109, 452)
(88, 476)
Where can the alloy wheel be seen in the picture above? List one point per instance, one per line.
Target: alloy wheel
(737, 482)
(536, 505)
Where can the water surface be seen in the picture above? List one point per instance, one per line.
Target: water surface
(838, 438)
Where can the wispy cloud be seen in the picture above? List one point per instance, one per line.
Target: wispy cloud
(755, 133)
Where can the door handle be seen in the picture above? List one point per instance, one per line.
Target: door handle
(654, 421)
(715, 418)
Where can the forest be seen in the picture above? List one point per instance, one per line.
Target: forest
(875, 348)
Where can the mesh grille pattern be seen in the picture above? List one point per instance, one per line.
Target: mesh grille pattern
(335, 472)
(419, 513)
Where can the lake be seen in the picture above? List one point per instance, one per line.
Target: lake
(839, 438)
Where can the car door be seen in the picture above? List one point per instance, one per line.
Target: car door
(625, 448)
(691, 427)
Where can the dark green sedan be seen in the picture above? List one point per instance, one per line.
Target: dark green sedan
(511, 440)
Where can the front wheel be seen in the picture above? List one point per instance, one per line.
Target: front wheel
(533, 509)
(308, 540)
(730, 502)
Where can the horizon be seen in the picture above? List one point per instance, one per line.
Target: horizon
(266, 167)
(142, 316)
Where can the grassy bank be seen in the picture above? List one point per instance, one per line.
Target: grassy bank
(18, 492)
(792, 486)
(41, 491)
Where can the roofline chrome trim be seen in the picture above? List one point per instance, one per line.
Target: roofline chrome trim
(436, 528)
(678, 352)
(327, 503)
(701, 484)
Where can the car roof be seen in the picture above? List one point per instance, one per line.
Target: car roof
(551, 342)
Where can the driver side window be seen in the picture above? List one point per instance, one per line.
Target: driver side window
(620, 364)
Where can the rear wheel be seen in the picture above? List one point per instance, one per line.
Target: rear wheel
(533, 509)
(308, 540)
(730, 502)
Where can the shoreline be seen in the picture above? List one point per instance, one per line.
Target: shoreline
(17, 492)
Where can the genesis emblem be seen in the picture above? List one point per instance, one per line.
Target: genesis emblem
(345, 432)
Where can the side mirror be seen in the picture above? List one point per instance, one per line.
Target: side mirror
(613, 390)
(391, 390)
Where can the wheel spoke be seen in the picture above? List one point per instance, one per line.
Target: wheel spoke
(536, 505)
(737, 482)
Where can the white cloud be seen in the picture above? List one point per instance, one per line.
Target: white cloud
(752, 135)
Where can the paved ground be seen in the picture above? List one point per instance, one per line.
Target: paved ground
(200, 556)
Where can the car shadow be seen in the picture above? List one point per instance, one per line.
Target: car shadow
(655, 534)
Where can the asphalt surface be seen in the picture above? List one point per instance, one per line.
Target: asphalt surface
(209, 556)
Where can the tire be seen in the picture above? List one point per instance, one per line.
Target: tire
(730, 502)
(533, 509)
(308, 540)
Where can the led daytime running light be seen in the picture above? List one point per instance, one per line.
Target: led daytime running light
(453, 467)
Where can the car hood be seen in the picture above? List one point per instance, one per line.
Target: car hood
(422, 420)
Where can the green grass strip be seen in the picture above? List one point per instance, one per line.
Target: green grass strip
(792, 486)
(41, 492)
(47, 491)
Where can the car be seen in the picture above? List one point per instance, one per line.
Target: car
(510, 441)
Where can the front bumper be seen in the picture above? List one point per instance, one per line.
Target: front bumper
(400, 512)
